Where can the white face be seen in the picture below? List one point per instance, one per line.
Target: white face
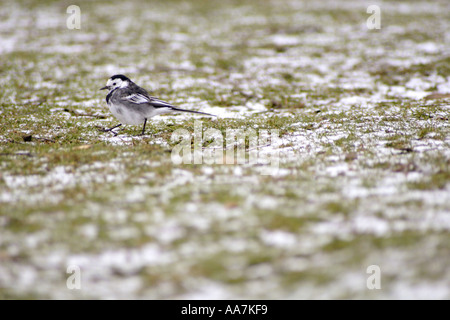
(116, 83)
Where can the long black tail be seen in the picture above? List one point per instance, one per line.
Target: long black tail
(191, 111)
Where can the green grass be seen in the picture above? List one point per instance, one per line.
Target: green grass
(359, 183)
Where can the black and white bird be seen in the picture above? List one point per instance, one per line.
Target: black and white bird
(131, 104)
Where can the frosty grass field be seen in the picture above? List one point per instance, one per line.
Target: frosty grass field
(363, 178)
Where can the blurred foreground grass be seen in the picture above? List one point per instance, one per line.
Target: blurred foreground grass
(364, 160)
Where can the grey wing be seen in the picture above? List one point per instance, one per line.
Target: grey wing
(142, 98)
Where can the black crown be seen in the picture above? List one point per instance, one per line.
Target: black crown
(119, 76)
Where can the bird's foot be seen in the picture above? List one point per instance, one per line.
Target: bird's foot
(143, 135)
(102, 129)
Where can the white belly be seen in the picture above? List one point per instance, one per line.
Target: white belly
(126, 116)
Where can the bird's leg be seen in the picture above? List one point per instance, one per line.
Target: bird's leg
(111, 129)
(143, 129)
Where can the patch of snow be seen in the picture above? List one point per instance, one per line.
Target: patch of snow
(278, 238)
(284, 40)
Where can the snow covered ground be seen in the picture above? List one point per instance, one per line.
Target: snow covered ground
(362, 175)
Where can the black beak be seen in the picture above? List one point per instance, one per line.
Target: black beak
(104, 88)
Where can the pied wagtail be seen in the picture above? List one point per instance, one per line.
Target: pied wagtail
(131, 104)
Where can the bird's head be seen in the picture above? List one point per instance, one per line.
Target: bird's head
(117, 81)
